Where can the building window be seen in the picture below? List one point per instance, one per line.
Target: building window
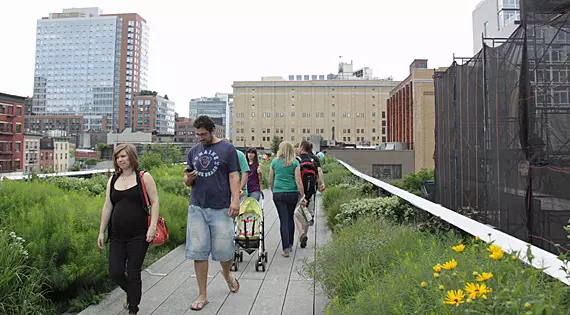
(383, 139)
(292, 114)
(252, 138)
(383, 115)
(252, 114)
(387, 171)
(383, 130)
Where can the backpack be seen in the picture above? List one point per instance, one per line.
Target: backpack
(309, 174)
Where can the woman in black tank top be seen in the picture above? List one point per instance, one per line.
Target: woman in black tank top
(126, 221)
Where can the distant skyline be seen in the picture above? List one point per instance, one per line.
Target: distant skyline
(198, 49)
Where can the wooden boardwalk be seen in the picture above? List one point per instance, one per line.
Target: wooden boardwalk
(282, 289)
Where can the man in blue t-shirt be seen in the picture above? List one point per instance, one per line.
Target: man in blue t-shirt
(212, 172)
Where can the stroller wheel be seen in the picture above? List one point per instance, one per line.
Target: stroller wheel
(263, 267)
(265, 256)
(234, 266)
(256, 267)
(241, 256)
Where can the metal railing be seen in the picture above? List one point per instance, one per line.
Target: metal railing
(541, 258)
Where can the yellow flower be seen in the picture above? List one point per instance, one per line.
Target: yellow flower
(483, 290)
(436, 275)
(513, 258)
(477, 290)
(424, 284)
(493, 248)
(437, 268)
(527, 305)
(469, 300)
(475, 273)
(472, 289)
(455, 297)
(498, 254)
(450, 265)
(484, 276)
(459, 248)
(477, 238)
(441, 287)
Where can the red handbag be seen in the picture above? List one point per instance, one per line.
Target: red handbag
(161, 234)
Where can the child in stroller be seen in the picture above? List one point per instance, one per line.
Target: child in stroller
(250, 233)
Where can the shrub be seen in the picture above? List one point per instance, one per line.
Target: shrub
(22, 288)
(375, 267)
(62, 224)
(379, 263)
(392, 209)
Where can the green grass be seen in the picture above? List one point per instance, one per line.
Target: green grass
(379, 257)
(60, 219)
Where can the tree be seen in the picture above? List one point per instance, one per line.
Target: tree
(158, 154)
(413, 182)
(275, 144)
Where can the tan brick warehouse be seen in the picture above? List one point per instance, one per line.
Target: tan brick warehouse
(354, 110)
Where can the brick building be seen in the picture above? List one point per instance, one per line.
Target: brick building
(11, 132)
(411, 114)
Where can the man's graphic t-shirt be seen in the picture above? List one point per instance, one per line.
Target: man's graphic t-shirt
(213, 163)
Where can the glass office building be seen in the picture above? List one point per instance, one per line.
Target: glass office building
(80, 54)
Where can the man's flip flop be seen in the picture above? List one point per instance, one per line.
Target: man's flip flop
(198, 305)
(234, 285)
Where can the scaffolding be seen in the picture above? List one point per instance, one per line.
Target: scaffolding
(502, 140)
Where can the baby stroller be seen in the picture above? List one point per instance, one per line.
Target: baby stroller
(250, 233)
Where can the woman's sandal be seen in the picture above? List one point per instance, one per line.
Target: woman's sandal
(234, 285)
(198, 305)
(125, 304)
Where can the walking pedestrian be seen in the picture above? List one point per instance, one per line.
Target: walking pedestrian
(213, 173)
(126, 220)
(285, 183)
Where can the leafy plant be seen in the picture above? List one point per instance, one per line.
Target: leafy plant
(59, 217)
(276, 141)
(22, 288)
(413, 182)
(390, 208)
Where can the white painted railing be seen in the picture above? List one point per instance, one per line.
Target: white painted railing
(542, 259)
(62, 174)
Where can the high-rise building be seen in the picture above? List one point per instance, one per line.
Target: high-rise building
(494, 19)
(90, 64)
(153, 113)
(11, 132)
(213, 107)
(229, 99)
(349, 107)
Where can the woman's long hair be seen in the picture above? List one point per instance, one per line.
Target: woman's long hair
(287, 152)
(255, 160)
(131, 151)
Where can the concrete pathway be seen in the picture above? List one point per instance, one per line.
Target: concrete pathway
(169, 285)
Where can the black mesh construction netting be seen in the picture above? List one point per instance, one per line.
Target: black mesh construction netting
(503, 130)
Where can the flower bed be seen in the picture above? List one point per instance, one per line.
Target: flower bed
(381, 262)
(59, 220)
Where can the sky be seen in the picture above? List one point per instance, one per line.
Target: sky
(198, 48)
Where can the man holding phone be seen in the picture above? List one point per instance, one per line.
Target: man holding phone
(212, 172)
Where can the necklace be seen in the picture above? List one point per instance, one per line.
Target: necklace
(127, 176)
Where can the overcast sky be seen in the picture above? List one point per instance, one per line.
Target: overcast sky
(198, 48)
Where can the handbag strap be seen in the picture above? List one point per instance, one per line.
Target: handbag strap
(143, 187)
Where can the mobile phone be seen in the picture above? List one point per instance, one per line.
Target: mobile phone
(189, 169)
